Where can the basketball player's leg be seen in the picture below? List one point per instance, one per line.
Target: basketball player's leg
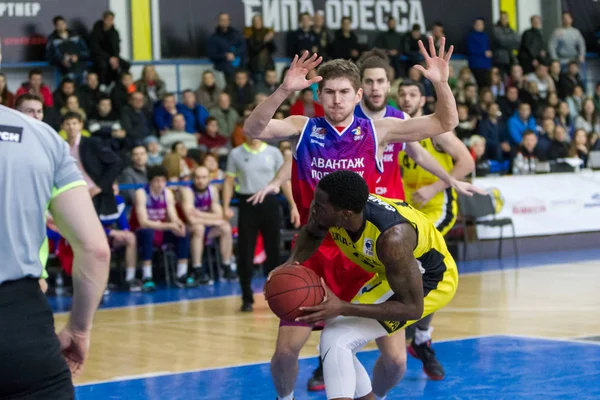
(391, 364)
(127, 239)
(284, 364)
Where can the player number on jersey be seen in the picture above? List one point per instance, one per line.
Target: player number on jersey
(407, 162)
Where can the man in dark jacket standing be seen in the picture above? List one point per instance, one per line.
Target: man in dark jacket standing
(105, 44)
(533, 46)
(227, 48)
(391, 41)
(67, 51)
(505, 41)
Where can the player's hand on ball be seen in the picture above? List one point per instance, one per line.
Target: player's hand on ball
(437, 65)
(295, 79)
(331, 307)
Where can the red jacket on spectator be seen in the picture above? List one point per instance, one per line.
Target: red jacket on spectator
(298, 109)
(44, 91)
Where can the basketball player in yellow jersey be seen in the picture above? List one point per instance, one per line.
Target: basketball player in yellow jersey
(415, 275)
(433, 198)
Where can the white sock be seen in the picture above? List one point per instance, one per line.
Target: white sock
(129, 273)
(379, 398)
(423, 336)
(181, 269)
(199, 266)
(288, 397)
(147, 271)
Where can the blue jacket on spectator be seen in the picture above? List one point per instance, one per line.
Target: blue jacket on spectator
(162, 118)
(222, 42)
(194, 117)
(477, 44)
(494, 134)
(516, 127)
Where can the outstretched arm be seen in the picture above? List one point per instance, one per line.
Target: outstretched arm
(260, 125)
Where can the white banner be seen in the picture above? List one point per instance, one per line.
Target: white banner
(545, 204)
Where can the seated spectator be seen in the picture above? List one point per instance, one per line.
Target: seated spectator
(269, 84)
(89, 94)
(580, 146)
(510, 103)
(493, 130)
(477, 145)
(563, 117)
(105, 124)
(154, 151)
(496, 83)
(545, 137)
(121, 91)
(465, 76)
(136, 173)
(67, 51)
(552, 100)
(204, 214)
(226, 116)
(532, 97)
(211, 161)
(150, 85)
(208, 92)
(516, 78)
(519, 123)
(72, 105)
(559, 148)
(164, 113)
(7, 98)
(527, 157)
(241, 91)
(575, 101)
(588, 118)
(136, 120)
(486, 98)
(305, 105)
(36, 86)
(468, 96)
(119, 235)
(549, 113)
(596, 95)
(174, 163)
(66, 88)
(545, 84)
(211, 140)
(554, 72)
(466, 123)
(105, 45)
(178, 134)
(195, 114)
(155, 221)
(417, 76)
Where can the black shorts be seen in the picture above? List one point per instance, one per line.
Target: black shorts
(31, 363)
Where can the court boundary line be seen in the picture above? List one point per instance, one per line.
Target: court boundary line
(554, 339)
(509, 269)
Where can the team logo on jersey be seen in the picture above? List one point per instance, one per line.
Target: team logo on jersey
(318, 133)
(317, 142)
(368, 246)
(357, 133)
(11, 133)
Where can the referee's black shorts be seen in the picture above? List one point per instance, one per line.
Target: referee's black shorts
(31, 364)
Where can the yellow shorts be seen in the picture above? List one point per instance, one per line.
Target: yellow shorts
(377, 290)
(441, 210)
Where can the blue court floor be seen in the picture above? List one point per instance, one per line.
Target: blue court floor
(494, 367)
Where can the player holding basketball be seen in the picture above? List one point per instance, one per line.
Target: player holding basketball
(415, 274)
(338, 141)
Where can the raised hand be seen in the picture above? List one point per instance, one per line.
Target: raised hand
(295, 79)
(437, 65)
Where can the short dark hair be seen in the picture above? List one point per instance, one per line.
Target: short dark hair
(66, 80)
(35, 71)
(108, 13)
(209, 120)
(410, 82)
(346, 190)
(304, 14)
(156, 171)
(346, 18)
(27, 97)
(375, 58)
(416, 27)
(187, 91)
(174, 145)
(572, 62)
(469, 85)
(57, 18)
(528, 132)
(72, 115)
(438, 23)
(103, 97)
(339, 68)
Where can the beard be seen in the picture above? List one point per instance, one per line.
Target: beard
(372, 107)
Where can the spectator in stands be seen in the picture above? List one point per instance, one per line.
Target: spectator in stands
(505, 41)
(545, 137)
(63, 133)
(195, 114)
(596, 95)
(466, 123)
(72, 105)
(567, 42)
(486, 98)
(303, 39)
(477, 146)
(549, 113)
(553, 100)
(208, 92)
(305, 105)
(532, 97)
(226, 115)
(417, 76)
(563, 117)
(554, 71)
(559, 148)
(153, 147)
(544, 82)
(569, 80)
(437, 32)
(269, 84)
(105, 123)
(516, 78)
(519, 123)
(136, 173)
(60, 95)
(588, 118)
(410, 48)
(105, 44)
(392, 42)
(469, 97)
(324, 35)
(580, 146)
(226, 48)
(527, 156)
(211, 161)
(67, 51)
(203, 211)
(241, 91)
(575, 101)
(99, 165)
(121, 90)
(493, 130)
(7, 98)
(345, 42)
(211, 140)
(150, 85)
(178, 134)
(479, 52)
(497, 83)
(238, 138)
(533, 46)
(36, 86)
(465, 76)
(136, 120)
(164, 113)
(174, 163)
(261, 47)
(89, 94)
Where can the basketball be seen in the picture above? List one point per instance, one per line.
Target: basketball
(292, 287)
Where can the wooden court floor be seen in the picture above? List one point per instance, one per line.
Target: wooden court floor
(555, 301)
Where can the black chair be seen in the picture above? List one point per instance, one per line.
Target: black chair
(473, 209)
